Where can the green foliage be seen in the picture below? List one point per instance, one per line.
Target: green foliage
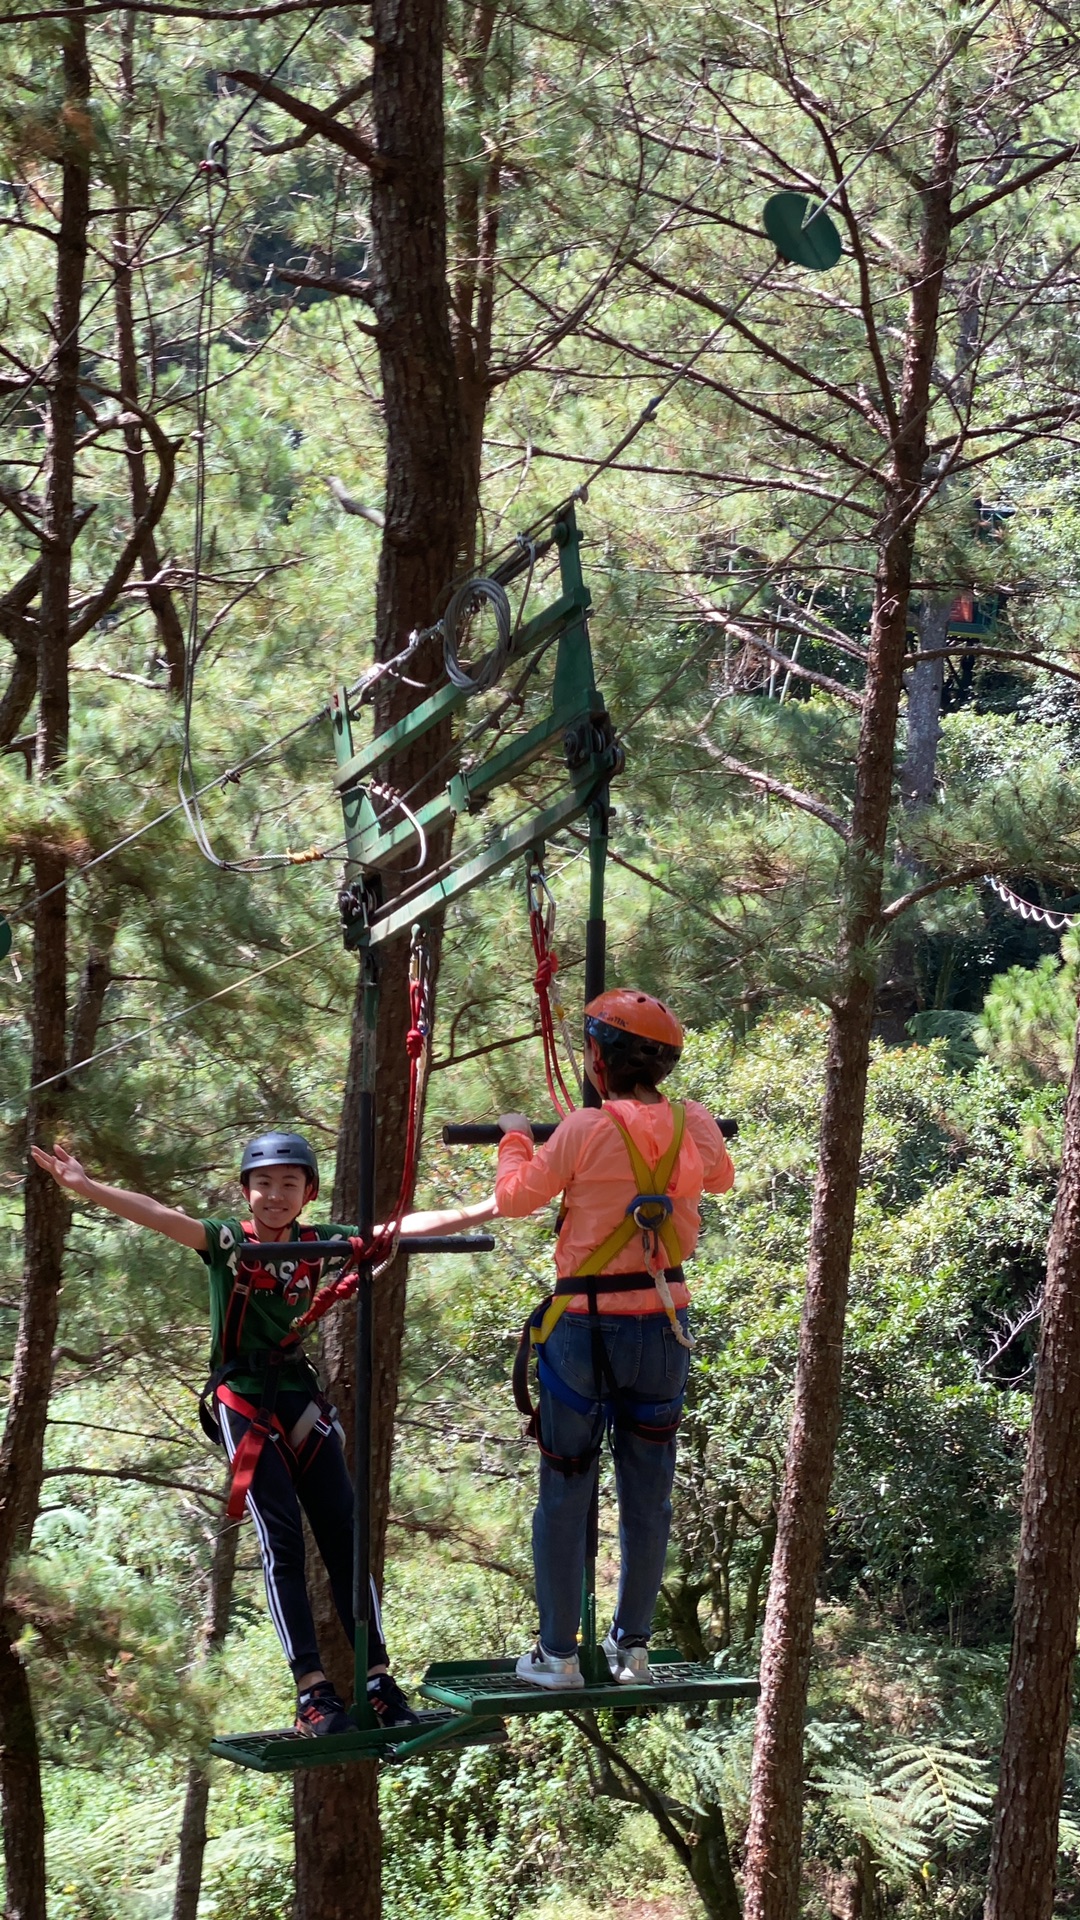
(634, 150)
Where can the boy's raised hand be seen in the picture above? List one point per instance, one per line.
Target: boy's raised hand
(65, 1169)
(516, 1123)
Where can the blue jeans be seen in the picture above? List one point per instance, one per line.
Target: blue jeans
(646, 1359)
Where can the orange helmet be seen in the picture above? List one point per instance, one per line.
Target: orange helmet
(624, 1015)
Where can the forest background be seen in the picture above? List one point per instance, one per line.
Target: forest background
(855, 497)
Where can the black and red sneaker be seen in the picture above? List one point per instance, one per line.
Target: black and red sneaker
(388, 1703)
(319, 1712)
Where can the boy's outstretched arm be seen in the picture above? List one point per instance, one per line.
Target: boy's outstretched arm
(138, 1207)
(450, 1219)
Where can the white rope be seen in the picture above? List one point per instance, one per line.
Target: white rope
(1027, 910)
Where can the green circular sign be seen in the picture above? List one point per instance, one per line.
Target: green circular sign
(806, 239)
(5, 938)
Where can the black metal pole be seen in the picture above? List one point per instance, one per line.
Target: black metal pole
(593, 1662)
(596, 925)
(362, 1361)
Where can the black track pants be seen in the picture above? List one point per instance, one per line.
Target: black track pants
(324, 1492)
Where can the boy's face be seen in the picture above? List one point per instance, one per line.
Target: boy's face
(277, 1194)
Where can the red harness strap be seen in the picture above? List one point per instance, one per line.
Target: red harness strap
(264, 1424)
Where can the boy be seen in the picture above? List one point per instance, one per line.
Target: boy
(612, 1341)
(299, 1463)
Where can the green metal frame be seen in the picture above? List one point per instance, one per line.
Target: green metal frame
(577, 715)
(492, 1686)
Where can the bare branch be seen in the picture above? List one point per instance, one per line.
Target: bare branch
(316, 118)
(165, 451)
(995, 653)
(806, 802)
(133, 1473)
(962, 878)
(326, 283)
(647, 1796)
(349, 504)
(347, 99)
(1021, 181)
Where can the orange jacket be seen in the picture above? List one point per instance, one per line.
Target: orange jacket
(586, 1161)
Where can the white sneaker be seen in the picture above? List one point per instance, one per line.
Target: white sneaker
(543, 1669)
(629, 1664)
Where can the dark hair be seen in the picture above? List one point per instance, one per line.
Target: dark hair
(635, 1064)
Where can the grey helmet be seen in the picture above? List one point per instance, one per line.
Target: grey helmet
(279, 1150)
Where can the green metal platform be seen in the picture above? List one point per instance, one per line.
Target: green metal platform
(475, 1697)
(492, 1687)
(280, 1750)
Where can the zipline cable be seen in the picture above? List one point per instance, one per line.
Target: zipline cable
(361, 690)
(184, 1013)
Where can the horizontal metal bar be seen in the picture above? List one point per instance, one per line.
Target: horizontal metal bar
(482, 1134)
(488, 1134)
(267, 1251)
(561, 612)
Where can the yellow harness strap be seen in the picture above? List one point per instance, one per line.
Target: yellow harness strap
(652, 1180)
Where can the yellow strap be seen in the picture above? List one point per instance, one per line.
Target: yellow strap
(649, 1180)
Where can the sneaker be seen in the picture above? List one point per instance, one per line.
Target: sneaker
(628, 1660)
(543, 1669)
(319, 1712)
(388, 1703)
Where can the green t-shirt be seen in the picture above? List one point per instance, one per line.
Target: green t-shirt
(276, 1298)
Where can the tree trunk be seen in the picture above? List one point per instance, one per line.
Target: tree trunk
(46, 1211)
(427, 540)
(710, 1866)
(20, 1785)
(1038, 1696)
(192, 1843)
(773, 1841)
(926, 682)
(170, 632)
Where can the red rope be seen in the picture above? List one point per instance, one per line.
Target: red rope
(547, 966)
(382, 1245)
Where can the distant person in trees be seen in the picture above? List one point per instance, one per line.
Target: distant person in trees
(612, 1340)
(279, 1431)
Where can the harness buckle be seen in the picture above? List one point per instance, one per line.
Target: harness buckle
(661, 1208)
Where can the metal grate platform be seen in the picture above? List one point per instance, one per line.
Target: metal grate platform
(492, 1686)
(280, 1750)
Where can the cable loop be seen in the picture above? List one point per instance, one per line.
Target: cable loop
(466, 602)
(394, 799)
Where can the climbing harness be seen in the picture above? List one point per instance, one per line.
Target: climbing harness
(264, 1423)
(650, 1214)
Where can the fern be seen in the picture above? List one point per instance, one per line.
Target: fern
(914, 1801)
